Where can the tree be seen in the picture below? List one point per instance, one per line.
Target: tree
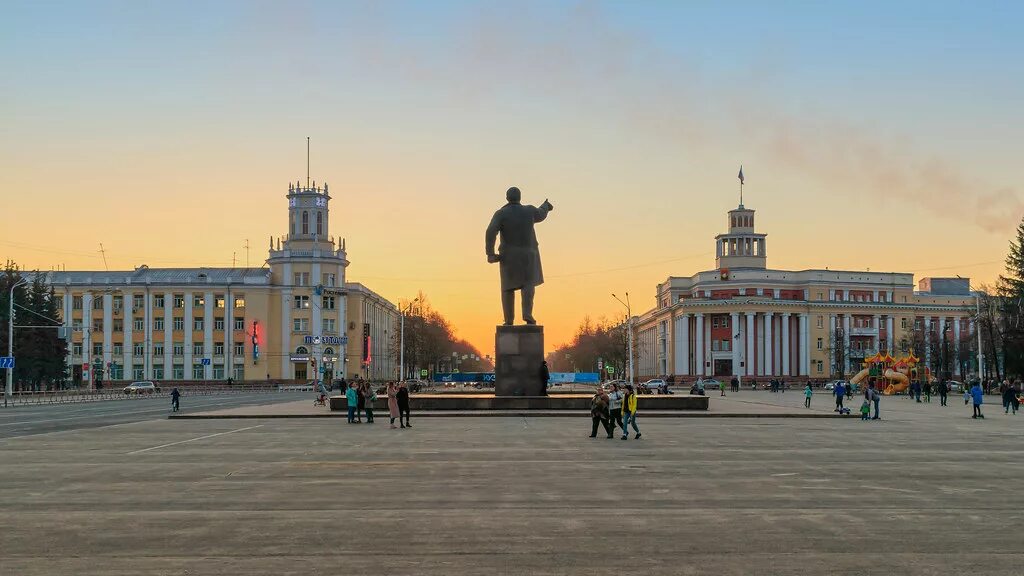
(430, 341)
(605, 340)
(38, 348)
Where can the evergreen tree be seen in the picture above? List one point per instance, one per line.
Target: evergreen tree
(39, 351)
(1011, 305)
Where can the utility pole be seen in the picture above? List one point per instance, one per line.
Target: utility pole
(629, 333)
(9, 388)
(246, 252)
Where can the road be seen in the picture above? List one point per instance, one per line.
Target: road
(40, 419)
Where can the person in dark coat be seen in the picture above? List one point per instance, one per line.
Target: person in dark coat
(403, 405)
(943, 392)
(176, 397)
(1010, 399)
(545, 377)
(518, 254)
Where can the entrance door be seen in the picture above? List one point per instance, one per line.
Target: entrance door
(723, 368)
(300, 371)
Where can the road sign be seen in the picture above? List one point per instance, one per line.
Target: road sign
(6, 361)
(611, 369)
(423, 373)
(600, 364)
(206, 361)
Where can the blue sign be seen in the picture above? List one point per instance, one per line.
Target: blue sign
(206, 361)
(6, 361)
(571, 377)
(464, 377)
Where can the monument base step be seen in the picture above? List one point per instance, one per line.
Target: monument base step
(581, 402)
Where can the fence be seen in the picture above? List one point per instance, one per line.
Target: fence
(21, 398)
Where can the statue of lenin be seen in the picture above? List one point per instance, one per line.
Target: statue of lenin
(518, 254)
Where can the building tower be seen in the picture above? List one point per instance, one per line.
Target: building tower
(741, 246)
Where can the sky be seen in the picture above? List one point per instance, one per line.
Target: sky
(873, 135)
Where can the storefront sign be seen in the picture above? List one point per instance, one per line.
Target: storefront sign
(333, 340)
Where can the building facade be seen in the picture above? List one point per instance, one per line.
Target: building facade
(296, 319)
(745, 319)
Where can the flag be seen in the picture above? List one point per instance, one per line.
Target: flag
(741, 174)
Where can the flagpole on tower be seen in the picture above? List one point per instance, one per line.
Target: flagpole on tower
(741, 185)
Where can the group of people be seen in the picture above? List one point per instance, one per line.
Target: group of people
(616, 407)
(360, 397)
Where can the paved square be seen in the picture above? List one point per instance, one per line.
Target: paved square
(926, 491)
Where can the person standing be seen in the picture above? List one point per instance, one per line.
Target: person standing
(1009, 395)
(545, 377)
(360, 402)
(807, 395)
(943, 392)
(369, 395)
(175, 399)
(928, 392)
(977, 397)
(352, 400)
(875, 398)
(629, 413)
(840, 393)
(615, 408)
(393, 403)
(403, 405)
(599, 413)
(735, 383)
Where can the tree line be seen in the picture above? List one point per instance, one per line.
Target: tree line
(431, 343)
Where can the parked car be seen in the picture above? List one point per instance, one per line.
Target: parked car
(711, 383)
(415, 385)
(955, 386)
(653, 386)
(141, 388)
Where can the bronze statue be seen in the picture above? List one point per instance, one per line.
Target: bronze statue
(518, 255)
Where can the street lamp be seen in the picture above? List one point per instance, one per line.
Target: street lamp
(401, 343)
(629, 330)
(9, 388)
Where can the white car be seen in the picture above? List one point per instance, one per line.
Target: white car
(655, 385)
(141, 388)
(710, 384)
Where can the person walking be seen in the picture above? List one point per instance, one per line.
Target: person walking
(369, 395)
(599, 413)
(352, 401)
(545, 377)
(943, 392)
(807, 395)
(393, 403)
(629, 413)
(875, 398)
(735, 383)
(840, 393)
(403, 405)
(1009, 395)
(615, 408)
(175, 400)
(977, 397)
(928, 392)
(360, 402)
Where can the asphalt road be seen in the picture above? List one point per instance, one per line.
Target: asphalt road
(926, 491)
(40, 419)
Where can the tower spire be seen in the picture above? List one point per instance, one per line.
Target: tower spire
(307, 163)
(740, 176)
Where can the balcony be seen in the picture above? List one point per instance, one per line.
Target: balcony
(863, 331)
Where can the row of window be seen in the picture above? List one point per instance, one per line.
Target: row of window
(138, 302)
(327, 325)
(302, 302)
(302, 279)
(177, 349)
(177, 324)
(178, 372)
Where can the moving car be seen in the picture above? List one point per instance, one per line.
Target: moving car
(141, 388)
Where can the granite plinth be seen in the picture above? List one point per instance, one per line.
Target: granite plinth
(576, 402)
(519, 352)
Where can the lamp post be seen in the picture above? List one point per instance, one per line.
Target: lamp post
(9, 388)
(401, 339)
(629, 331)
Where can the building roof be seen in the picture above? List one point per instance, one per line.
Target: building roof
(163, 276)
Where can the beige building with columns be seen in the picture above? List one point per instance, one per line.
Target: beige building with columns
(745, 319)
(296, 319)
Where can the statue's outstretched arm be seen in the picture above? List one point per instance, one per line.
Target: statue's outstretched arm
(541, 212)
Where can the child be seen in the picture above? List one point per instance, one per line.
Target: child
(807, 395)
(865, 410)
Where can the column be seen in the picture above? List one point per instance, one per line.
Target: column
(928, 342)
(735, 344)
(785, 343)
(66, 317)
(188, 335)
(831, 344)
(699, 345)
(148, 334)
(108, 327)
(805, 352)
(768, 351)
(751, 356)
(878, 326)
(889, 336)
(87, 338)
(681, 345)
(128, 312)
(208, 334)
(956, 346)
(168, 336)
(846, 343)
(229, 333)
(286, 331)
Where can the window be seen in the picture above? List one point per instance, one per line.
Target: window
(301, 302)
(158, 301)
(138, 324)
(239, 373)
(198, 301)
(821, 344)
(97, 303)
(76, 324)
(239, 301)
(239, 349)
(300, 325)
(328, 279)
(302, 278)
(198, 372)
(59, 300)
(138, 372)
(319, 223)
(903, 323)
(821, 366)
(76, 349)
(328, 325)
(239, 323)
(76, 302)
(821, 323)
(158, 349)
(218, 323)
(179, 371)
(97, 349)
(118, 325)
(218, 301)
(118, 303)
(179, 301)
(328, 303)
(301, 350)
(328, 352)
(138, 302)
(158, 372)
(197, 324)
(197, 349)
(158, 324)
(305, 222)
(138, 349)
(218, 372)
(179, 349)
(97, 325)
(118, 349)
(179, 324)
(218, 348)
(714, 322)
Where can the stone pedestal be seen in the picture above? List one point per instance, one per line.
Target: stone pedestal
(519, 351)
